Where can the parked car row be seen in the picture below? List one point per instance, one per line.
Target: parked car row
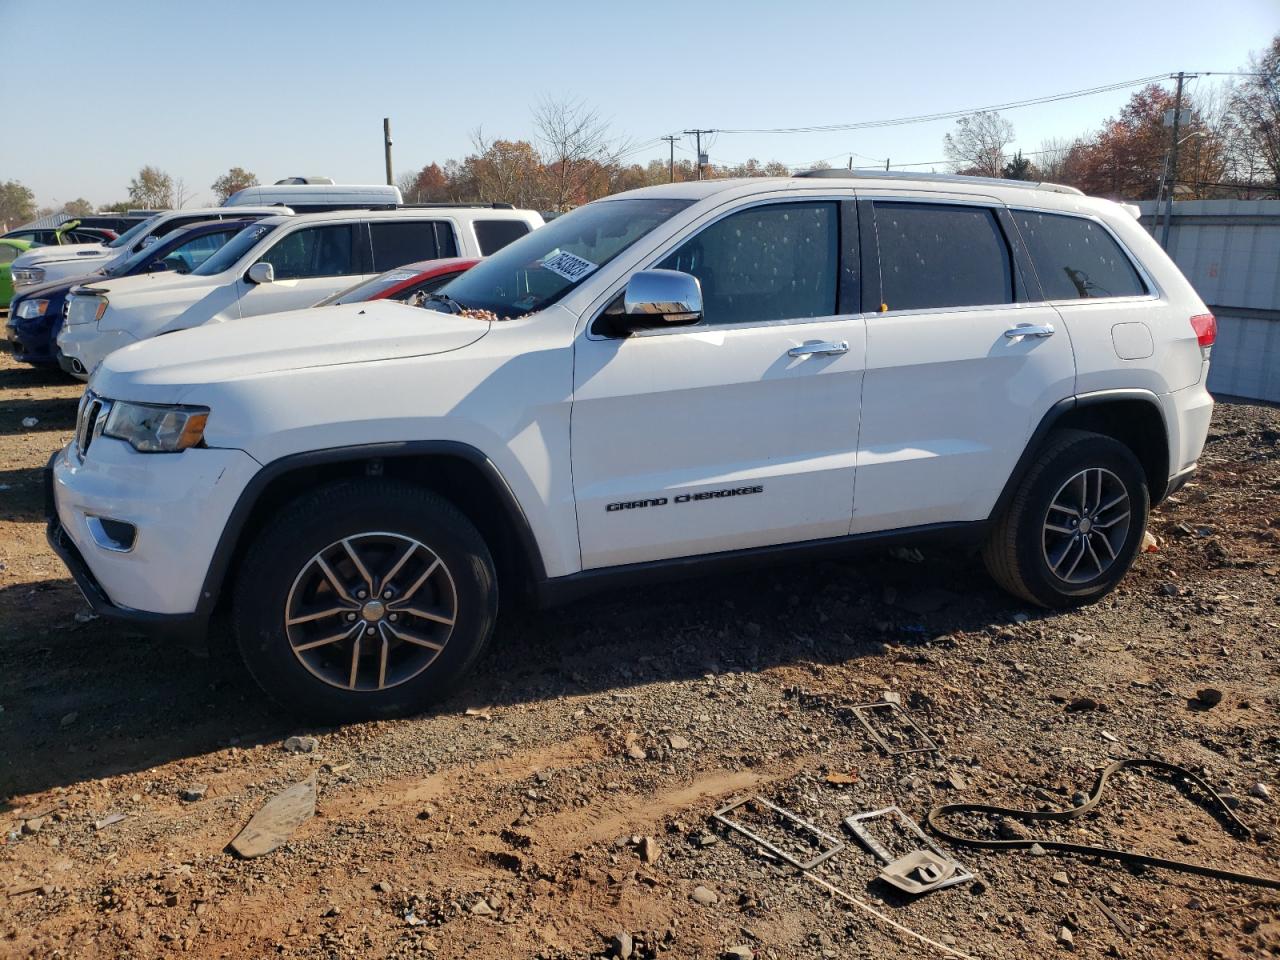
(266, 250)
(678, 379)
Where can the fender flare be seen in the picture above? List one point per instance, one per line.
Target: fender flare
(1051, 418)
(234, 529)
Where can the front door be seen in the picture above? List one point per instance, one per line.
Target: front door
(741, 430)
(963, 361)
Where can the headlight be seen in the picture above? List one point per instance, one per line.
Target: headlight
(151, 428)
(26, 276)
(30, 309)
(86, 309)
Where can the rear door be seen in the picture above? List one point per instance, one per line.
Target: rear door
(963, 359)
(310, 263)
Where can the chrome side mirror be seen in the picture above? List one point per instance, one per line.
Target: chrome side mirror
(261, 273)
(656, 297)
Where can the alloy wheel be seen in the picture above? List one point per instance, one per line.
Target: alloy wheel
(1086, 526)
(371, 611)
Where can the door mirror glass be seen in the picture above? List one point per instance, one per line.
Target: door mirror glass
(262, 273)
(657, 297)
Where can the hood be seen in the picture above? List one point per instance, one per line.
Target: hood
(144, 290)
(279, 342)
(89, 253)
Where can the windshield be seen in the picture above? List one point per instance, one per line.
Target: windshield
(366, 289)
(132, 233)
(233, 250)
(541, 267)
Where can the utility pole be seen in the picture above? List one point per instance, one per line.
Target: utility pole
(698, 139)
(1173, 163)
(671, 162)
(386, 143)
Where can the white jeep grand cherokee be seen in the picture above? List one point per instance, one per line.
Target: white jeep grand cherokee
(707, 372)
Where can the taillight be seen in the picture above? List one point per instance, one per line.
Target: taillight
(1206, 327)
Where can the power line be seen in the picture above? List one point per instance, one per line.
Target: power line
(948, 114)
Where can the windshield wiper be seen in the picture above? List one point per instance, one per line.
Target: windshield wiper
(451, 305)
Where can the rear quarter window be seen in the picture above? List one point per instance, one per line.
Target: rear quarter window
(1076, 258)
(493, 235)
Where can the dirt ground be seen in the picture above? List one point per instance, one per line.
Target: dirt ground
(559, 806)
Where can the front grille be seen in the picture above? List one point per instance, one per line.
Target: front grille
(90, 420)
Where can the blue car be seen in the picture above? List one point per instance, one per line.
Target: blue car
(36, 314)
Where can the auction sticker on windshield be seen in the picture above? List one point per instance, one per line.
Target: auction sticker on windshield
(568, 265)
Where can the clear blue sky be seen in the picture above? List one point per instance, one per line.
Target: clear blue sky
(297, 87)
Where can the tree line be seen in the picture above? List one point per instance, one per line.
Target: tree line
(1229, 148)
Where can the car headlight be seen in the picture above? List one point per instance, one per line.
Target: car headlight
(30, 309)
(26, 276)
(153, 428)
(86, 308)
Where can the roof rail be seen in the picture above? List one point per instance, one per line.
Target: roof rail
(839, 174)
(485, 206)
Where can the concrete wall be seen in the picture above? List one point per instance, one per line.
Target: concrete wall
(1230, 251)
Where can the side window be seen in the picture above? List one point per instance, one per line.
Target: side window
(313, 252)
(773, 262)
(935, 256)
(493, 235)
(1076, 258)
(396, 243)
(8, 254)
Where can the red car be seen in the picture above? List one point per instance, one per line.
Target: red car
(426, 276)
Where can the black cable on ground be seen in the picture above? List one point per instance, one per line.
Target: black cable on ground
(1235, 824)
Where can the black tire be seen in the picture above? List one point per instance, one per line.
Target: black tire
(1020, 551)
(373, 515)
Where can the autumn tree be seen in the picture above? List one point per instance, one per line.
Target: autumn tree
(978, 143)
(17, 203)
(428, 185)
(235, 179)
(151, 188)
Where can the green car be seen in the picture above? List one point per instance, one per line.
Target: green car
(9, 251)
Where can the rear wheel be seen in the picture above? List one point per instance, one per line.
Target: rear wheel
(365, 598)
(1075, 523)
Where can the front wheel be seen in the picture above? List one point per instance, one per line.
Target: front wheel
(1075, 523)
(365, 598)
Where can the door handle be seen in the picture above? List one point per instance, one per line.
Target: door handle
(1037, 330)
(828, 348)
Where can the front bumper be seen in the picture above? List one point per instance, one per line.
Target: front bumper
(178, 505)
(31, 340)
(85, 344)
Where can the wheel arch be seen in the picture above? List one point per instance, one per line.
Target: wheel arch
(1132, 417)
(457, 471)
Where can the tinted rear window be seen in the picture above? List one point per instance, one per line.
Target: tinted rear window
(1076, 258)
(400, 242)
(937, 256)
(493, 235)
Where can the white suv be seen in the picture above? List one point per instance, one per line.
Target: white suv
(46, 264)
(679, 378)
(279, 263)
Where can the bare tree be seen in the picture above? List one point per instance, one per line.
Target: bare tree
(978, 143)
(181, 194)
(1255, 112)
(576, 148)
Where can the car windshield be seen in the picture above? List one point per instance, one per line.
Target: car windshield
(541, 267)
(367, 289)
(132, 233)
(233, 250)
